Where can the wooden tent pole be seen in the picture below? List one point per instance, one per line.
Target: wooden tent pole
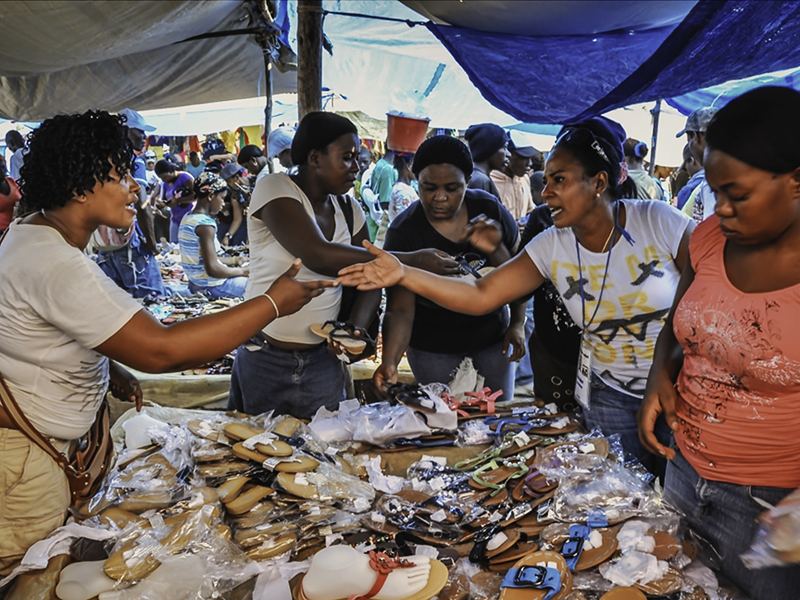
(309, 57)
(656, 112)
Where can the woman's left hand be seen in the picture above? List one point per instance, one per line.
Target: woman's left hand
(515, 341)
(123, 385)
(484, 234)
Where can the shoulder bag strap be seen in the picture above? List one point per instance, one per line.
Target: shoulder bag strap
(347, 209)
(22, 423)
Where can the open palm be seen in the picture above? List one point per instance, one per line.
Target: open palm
(383, 272)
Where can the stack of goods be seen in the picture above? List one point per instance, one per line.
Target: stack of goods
(201, 502)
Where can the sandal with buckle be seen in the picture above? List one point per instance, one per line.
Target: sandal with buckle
(495, 476)
(541, 575)
(353, 339)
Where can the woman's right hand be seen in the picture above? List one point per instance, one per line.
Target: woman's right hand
(436, 261)
(383, 272)
(660, 397)
(291, 295)
(384, 376)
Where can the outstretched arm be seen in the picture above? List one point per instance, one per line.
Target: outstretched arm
(505, 284)
(145, 344)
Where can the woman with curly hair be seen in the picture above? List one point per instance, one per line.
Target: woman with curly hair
(197, 236)
(66, 326)
(615, 262)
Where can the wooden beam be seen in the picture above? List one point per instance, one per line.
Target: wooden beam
(309, 57)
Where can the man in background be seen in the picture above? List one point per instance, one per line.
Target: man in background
(279, 145)
(512, 181)
(15, 143)
(488, 144)
(701, 203)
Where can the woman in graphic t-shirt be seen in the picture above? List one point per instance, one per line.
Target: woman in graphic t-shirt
(615, 262)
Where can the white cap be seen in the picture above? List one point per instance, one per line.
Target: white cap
(279, 140)
(135, 120)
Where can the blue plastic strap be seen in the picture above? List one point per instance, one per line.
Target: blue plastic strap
(597, 518)
(573, 547)
(536, 577)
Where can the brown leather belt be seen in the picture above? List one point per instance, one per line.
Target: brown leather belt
(5, 422)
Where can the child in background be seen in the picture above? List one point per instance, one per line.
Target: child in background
(207, 272)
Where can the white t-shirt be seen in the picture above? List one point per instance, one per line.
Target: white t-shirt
(269, 260)
(639, 289)
(55, 306)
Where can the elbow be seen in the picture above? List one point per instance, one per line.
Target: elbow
(162, 359)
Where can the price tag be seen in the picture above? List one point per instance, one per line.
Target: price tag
(584, 375)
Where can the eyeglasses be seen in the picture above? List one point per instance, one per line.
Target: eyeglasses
(579, 136)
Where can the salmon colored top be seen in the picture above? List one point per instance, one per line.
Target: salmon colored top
(739, 411)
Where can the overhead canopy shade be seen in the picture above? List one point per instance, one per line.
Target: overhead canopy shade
(557, 79)
(61, 57)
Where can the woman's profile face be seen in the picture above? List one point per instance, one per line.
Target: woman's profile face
(569, 193)
(441, 191)
(217, 202)
(113, 203)
(753, 206)
(337, 165)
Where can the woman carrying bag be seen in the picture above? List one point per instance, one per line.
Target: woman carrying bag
(66, 326)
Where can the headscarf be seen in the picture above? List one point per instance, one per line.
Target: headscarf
(208, 183)
(761, 128)
(441, 150)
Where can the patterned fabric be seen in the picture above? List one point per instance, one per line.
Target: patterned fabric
(191, 258)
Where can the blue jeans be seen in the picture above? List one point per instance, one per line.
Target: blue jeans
(613, 411)
(725, 515)
(239, 238)
(523, 372)
(289, 382)
(491, 363)
(133, 268)
(232, 287)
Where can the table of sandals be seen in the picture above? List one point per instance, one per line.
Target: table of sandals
(521, 504)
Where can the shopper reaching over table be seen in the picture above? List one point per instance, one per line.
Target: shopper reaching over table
(726, 372)
(286, 368)
(615, 262)
(65, 325)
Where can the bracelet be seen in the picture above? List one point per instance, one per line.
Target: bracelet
(275, 306)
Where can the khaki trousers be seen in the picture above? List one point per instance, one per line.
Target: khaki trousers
(34, 497)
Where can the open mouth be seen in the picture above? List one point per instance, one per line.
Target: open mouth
(554, 212)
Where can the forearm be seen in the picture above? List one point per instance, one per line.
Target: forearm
(145, 219)
(364, 308)
(462, 295)
(668, 355)
(499, 256)
(148, 346)
(517, 314)
(397, 327)
(219, 270)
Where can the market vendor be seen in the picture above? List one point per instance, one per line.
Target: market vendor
(287, 369)
(176, 193)
(615, 262)
(726, 372)
(438, 339)
(66, 326)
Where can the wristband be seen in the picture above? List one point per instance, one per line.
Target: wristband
(275, 306)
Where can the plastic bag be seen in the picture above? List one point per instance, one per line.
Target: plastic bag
(777, 541)
(376, 424)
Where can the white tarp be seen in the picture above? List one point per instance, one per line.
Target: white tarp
(58, 57)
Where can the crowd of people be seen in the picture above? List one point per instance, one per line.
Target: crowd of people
(657, 319)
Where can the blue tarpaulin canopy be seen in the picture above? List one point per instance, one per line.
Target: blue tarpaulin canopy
(569, 77)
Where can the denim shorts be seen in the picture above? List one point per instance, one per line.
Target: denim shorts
(233, 287)
(613, 411)
(133, 268)
(288, 382)
(724, 514)
(491, 363)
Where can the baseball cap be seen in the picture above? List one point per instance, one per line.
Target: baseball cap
(135, 121)
(150, 156)
(230, 170)
(524, 151)
(279, 140)
(698, 120)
